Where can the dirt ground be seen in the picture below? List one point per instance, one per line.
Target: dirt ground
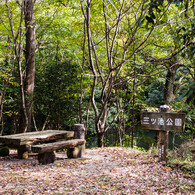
(100, 171)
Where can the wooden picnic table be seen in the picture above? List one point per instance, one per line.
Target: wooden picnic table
(23, 141)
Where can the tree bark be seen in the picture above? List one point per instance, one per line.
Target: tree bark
(119, 124)
(169, 84)
(30, 66)
(100, 139)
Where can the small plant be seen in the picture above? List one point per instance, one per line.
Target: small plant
(181, 158)
(182, 152)
(153, 150)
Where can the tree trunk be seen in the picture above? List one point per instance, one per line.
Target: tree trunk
(100, 139)
(30, 66)
(169, 85)
(133, 113)
(119, 132)
(119, 124)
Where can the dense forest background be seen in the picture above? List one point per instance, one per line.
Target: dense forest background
(98, 63)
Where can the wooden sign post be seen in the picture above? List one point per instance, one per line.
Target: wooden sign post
(163, 122)
(163, 138)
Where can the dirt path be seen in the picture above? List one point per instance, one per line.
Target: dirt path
(100, 171)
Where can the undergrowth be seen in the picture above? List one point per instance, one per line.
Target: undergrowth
(180, 158)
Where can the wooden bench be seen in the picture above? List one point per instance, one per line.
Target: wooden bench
(45, 143)
(46, 152)
(23, 141)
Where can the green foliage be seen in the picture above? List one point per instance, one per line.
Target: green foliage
(145, 139)
(126, 141)
(186, 166)
(56, 95)
(188, 92)
(155, 93)
(189, 132)
(155, 97)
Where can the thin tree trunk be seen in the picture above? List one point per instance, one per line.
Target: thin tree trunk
(124, 126)
(87, 118)
(45, 123)
(133, 116)
(23, 119)
(100, 139)
(17, 53)
(2, 126)
(119, 132)
(119, 124)
(34, 122)
(81, 82)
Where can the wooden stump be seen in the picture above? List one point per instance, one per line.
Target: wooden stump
(46, 158)
(22, 154)
(79, 133)
(75, 152)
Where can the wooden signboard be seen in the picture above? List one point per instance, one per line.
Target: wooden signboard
(162, 121)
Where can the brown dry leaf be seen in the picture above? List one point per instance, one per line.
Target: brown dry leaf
(100, 171)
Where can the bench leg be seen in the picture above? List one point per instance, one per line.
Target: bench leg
(46, 158)
(4, 151)
(75, 152)
(22, 154)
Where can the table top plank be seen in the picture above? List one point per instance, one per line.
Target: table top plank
(34, 137)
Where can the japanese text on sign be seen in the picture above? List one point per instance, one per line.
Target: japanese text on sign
(163, 121)
(160, 121)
